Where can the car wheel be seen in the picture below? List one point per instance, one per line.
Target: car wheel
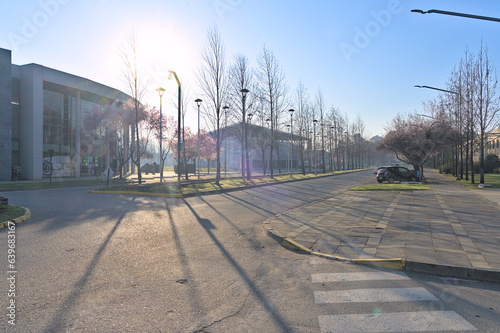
(391, 180)
(380, 180)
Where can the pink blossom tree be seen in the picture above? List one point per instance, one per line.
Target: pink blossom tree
(414, 139)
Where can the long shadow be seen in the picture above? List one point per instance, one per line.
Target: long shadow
(247, 203)
(222, 215)
(208, 226)
(183, 258)
(60, 319)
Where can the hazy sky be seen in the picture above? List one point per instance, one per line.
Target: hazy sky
(365, 56)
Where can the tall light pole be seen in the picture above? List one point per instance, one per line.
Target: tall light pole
(249, 152)
(198, 102)
(288, 158)
(244, 93)
(437, 11)
(226, 109)
(291, 142)
(314, 147)
(331, 149)
(178, 126)
(161, 91)
(268, 121)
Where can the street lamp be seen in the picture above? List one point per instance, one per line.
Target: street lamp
(178, 126)
(428, 87)
(226, 109)
(331, 149)
(291, 142)
(314, 146)
(288, 158)
(198, 102)
(161, 91)
(437, 11)
(268, 122)
(249, 151)
(244, 93)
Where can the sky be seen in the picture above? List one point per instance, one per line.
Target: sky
(365, 56)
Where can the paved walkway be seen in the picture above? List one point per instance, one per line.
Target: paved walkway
(449, 230)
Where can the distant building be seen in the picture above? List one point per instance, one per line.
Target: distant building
(41, 112)
(258, 146)
(493, 146)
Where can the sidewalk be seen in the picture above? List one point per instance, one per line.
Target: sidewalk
(449, 230)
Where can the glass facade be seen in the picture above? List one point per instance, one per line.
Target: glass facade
(56, 128)
(59, 131)
(16, 112)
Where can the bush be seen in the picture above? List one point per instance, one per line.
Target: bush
(491, 164)
(446, 169)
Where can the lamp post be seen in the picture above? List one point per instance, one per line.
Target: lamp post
(437, 11)
(331, 149)
(288, 158)
(244, 93)
(291, 142)
(226, 109)
(314, 147)
(161, 91)
(249, 151)
(268, 122)
(178, 126)
(198, 102)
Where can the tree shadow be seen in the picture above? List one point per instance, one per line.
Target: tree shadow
(209, 227)
(59, 320)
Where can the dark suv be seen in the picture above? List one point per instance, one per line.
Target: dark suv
(395, 173)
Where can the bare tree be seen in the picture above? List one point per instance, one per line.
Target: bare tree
(242, 77)
(487, 103)
(273, 89)
(130, 75)
(320, 106)
(302, 118)
(213, 81)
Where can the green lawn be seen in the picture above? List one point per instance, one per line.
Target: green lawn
(489, 178)
(11, 213)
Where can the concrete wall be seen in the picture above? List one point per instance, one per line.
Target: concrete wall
(5, 115)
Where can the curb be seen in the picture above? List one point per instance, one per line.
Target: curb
(469, 273)
(17, 220)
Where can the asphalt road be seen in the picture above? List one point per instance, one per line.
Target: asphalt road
(115, 263)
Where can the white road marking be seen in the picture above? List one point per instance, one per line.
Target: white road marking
(395, 322)
(374, 295)
(362, 276)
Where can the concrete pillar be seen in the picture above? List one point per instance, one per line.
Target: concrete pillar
(78, 126)
(5, 115)
(31, 118)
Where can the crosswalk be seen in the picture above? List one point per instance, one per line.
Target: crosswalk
(354, 292)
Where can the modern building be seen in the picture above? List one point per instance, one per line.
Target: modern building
(41, 112)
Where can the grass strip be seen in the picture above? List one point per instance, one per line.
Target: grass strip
(209, 186)
(12, 213)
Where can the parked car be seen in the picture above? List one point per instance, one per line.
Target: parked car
(395, 173)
